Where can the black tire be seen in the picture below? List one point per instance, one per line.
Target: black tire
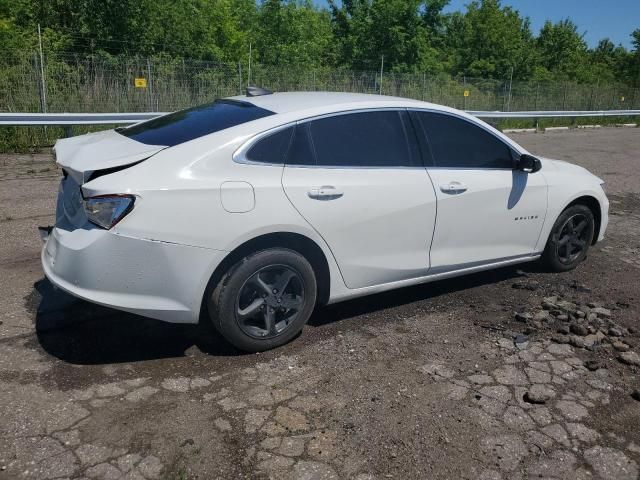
(254, 320)
(569, 239)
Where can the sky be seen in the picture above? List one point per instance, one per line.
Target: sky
(598, 19)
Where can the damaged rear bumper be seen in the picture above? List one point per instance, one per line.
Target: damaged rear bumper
(155, 279)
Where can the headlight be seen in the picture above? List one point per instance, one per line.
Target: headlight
(107, 210)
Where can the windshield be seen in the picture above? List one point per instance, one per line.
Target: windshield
(184, 125)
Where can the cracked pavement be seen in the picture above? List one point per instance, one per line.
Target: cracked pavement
(453, 379)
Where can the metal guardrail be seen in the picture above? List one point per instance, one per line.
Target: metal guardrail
(75, 118)
(556, 114)
(69, 119)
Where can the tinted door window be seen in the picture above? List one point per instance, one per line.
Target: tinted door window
(457, 143)
(272, 148)
(185, 125)
(368, 139)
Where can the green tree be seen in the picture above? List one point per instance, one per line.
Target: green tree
(563, 51)
(607, 62)
(491, 41)
(487, 40)
(293, 33)
(403, 31)
(632, 68)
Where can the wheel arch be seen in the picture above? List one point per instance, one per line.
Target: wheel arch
(302, 244)
(593, 204)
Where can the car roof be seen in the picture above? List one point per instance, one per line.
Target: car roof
(294, 106)
(290, 102)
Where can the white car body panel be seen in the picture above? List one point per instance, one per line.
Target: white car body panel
(101, 150)
(498, 216)
(567, 182)
(380, 230)
(195, 204)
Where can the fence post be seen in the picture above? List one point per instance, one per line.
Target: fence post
(150, 88)
(43, 96)
(464, 87)
(36, 71)
(249, 72)
(381, 72)
(510, 86)
(504, 96)
(424, 84)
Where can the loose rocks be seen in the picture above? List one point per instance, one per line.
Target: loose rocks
(630, 358)
(593, 365)
(523, 317)
(579, 329)
(615, 332)
(539, 394)
(559, 338)
(620, 346)
(601, 312)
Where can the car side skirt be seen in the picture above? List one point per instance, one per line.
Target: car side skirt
(440, 273)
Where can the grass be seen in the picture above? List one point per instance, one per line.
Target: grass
(27, 139)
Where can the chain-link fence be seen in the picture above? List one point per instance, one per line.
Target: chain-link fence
(75, 83)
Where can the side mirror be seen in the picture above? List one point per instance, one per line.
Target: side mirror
(528, 163)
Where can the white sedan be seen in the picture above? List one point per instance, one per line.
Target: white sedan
(254, 209)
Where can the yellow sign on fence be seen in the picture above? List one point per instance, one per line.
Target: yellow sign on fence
(140, 82)
(466, 93)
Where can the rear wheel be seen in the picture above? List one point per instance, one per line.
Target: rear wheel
(570, 239)
(265, 300)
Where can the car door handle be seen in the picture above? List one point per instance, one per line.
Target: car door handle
(453, 187)
(326, 192)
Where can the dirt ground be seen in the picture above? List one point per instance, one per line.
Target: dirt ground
(435, 381)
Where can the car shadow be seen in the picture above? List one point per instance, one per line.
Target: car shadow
(417, 293)
(83, 333)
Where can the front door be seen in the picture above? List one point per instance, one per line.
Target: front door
(487, 211)
(358, 180)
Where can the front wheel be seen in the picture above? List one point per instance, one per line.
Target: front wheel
(265, 300)
(570, 239)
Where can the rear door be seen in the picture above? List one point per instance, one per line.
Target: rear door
(487, 210)
(357, 178)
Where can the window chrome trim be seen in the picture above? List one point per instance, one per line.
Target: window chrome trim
(239, 156)
(356, 167)
(351, 111)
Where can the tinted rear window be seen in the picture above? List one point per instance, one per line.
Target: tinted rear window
(368, 139)
(271, 149)
(185, 125)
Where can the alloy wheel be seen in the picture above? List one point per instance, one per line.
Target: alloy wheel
(269, 301)
(573, 238)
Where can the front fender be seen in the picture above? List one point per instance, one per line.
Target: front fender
(567, 184)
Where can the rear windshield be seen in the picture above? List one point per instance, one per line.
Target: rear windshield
(185, 125)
